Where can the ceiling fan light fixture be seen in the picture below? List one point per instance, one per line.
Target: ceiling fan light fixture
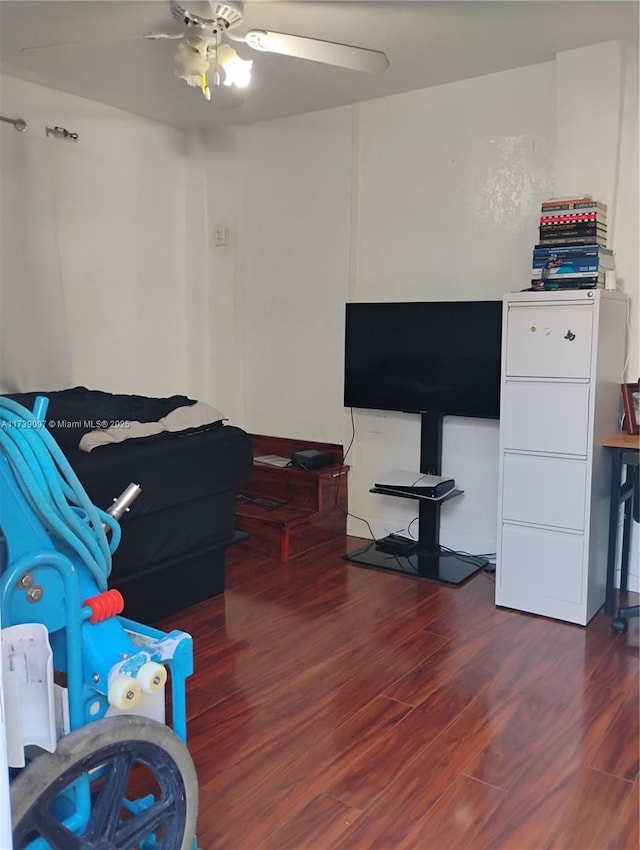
(191, 60)
(237, 71)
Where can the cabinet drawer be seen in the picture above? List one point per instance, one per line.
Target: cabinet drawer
(544, 490)
(545, 417)
(540, 563)
(549, 342)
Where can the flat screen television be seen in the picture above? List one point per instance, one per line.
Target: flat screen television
(437, 357)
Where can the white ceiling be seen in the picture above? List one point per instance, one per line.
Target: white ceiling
(427, 43)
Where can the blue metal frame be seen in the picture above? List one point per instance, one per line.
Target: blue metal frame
(90, 654)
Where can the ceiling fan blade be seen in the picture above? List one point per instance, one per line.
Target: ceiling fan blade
(158, 36)
(329, 52)
(153, 36)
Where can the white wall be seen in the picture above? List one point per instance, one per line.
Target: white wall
(626, 246)
(627, 219)
(225, 204)
(34, 337)
(432, 194)
(426, 195)
(293, 268)
(450, 184)
(119, 195)
(598, 100)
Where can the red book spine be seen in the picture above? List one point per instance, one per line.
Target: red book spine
(567, 219)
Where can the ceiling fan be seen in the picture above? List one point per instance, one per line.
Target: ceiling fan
(203, 53)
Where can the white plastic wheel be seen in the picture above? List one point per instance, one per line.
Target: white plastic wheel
(124, 692)
(152, 677)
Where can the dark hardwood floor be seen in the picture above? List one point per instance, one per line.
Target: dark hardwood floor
(335, 707)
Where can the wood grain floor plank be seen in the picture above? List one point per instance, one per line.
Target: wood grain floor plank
(456, 817)
(482, 655)
(614, 756)
(241, 827)
(416, 789)
(339, 707)
(367, 779)
(297, 724)
(329, 756)
(364, 781)
(200, 700)
(267, 657)
(556, 664)
(357, 685)
(217, 747)
(578, 813)
(472, 612)
(626, 830)
(533, 813)
(271, 800)
(617, 668)
(303, 745)
(408, 619)
(544, 724)
(216, 824)
(515, 739)
(592, 807)
(319, 824)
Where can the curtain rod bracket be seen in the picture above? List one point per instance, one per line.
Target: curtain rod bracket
(61, 133)
(19, 123)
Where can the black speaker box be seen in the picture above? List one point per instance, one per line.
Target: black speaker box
(311, 459)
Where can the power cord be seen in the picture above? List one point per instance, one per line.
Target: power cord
(258, 502)
(339, 477)
(273, 504)
(476, 560)
(353, 436)
(288, 487)
(287, 504)
(479, 560)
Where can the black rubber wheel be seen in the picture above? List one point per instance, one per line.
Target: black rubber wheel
(619, 625)
(125, 753)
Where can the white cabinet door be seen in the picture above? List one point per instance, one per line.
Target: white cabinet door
(544, 343)
(544, 490)
(542, 566)
(549, 417)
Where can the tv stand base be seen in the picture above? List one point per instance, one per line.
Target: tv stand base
(436, 565)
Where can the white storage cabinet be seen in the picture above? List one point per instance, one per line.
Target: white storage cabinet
(562, 362)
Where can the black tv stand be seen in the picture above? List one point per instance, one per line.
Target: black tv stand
(428, 560)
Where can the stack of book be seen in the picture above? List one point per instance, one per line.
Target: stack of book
(572, 252)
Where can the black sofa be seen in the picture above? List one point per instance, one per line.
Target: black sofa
(174, 538)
